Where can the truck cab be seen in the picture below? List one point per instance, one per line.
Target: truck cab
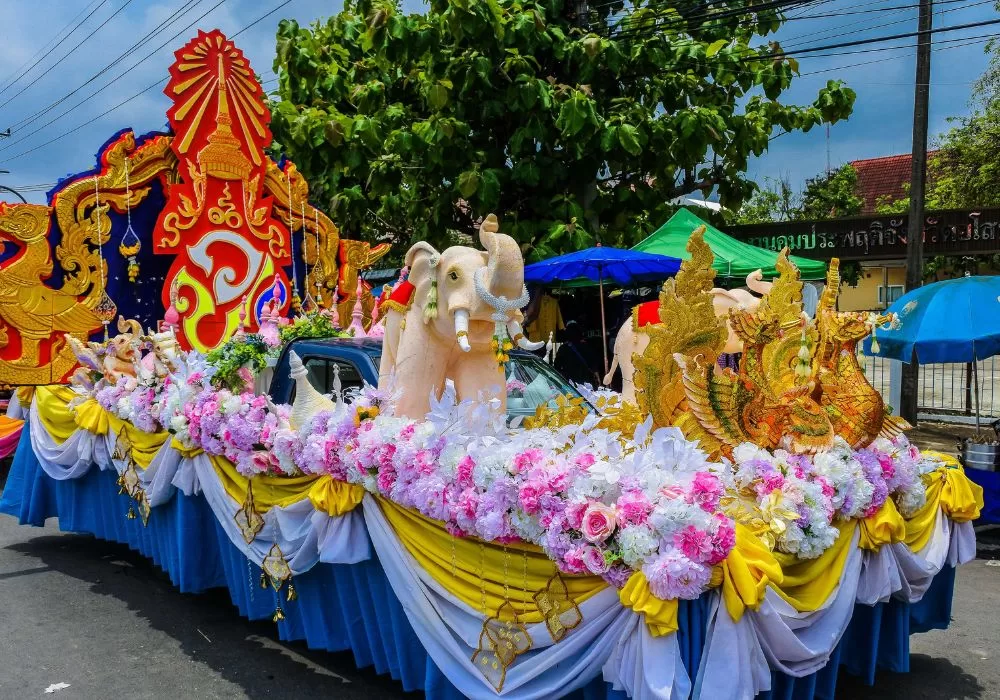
(530, 381)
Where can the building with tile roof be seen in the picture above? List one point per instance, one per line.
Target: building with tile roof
(883, 179)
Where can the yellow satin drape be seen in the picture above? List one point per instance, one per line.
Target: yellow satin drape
(747, 572)
(951, 491)
(660, 615)
(476, 572)
(52, 404)
(809, 582)
(335, 498)
(268, 491)
(885, 527)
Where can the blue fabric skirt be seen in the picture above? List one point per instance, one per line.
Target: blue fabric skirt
(352, 606)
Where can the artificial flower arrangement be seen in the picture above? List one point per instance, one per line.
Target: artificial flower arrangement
(596, 499)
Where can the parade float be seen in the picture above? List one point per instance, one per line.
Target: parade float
(732, 534)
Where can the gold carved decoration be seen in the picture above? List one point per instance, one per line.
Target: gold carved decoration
(856, 409)
(276, 572)
(799, 383)
(688, 325)
(31, 309)
(247, 519)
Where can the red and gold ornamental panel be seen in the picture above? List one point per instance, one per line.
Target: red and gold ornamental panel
(232, 220)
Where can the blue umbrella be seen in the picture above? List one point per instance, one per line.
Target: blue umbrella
(951, 321)
(955, 320)
(598, 264)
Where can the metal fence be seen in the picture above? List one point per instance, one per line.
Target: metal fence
(944, 391)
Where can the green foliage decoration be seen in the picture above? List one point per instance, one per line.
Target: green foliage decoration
(412, 127)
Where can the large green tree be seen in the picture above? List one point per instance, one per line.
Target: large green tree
(827, 196)
(572, 129)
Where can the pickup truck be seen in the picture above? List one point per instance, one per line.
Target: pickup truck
(530, 381)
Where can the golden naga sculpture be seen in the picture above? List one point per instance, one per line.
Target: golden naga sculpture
(688, 326)
(799, 383)
(33, 310)
(855, 407)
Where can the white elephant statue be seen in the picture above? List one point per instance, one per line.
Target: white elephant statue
(440, 323)
(633, 341)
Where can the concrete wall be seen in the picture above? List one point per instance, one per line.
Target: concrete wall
(865, 296)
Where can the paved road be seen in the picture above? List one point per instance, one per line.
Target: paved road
(103, 619)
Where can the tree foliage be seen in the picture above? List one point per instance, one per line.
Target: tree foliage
(415, 126)
(827, 196)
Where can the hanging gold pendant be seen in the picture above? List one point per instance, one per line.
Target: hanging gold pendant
(123, 446)
(503, 638)
(144, 508)
(278, 615)
(275, 570)
(247, 519)
(560, 611)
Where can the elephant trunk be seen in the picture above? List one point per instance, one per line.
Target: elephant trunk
(505, 266)
(462, 329)
(514, 328)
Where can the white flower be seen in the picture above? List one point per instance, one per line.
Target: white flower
(636, 543)
(603, 470)
(231, 405)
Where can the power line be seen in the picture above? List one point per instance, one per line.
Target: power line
(67, 54)
(116, 78)
(20, 71)
(153, 32)
(44, 53)
(127, 100)
(708, 16)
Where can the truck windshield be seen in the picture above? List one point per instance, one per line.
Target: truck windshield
(532, 383)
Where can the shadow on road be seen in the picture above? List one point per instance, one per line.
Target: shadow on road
(930, 678)
(207, 626)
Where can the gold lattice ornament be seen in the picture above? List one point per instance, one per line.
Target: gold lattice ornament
(247, 519)
(560, 611)
(123, 446)
(276, 572)
(503, 638)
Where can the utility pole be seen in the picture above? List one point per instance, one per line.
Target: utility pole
(918, 186)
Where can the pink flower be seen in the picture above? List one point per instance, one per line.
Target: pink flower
(696, 544)
(585, 461)
(573, 561)
(527, 459)
(633, 507)
(574, 514)
(593, 559)
(386, 480)
(672, 575)
(465, 467)
(706, 490)
(598, 522)
(528, 495)
(771, 481)
(723, 540)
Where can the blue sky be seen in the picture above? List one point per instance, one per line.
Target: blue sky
(881, 124)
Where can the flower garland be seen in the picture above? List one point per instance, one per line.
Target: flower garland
(596, 498)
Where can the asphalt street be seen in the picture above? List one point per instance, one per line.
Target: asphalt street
(108, 623)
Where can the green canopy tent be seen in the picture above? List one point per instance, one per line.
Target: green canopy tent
(733, 259)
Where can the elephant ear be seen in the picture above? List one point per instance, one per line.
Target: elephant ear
(422, 259)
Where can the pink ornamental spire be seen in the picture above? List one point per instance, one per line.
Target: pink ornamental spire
(357, 327)
(334, 300)
(241, 331)
(171, 319)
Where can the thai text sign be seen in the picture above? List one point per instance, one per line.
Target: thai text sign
(878, 237)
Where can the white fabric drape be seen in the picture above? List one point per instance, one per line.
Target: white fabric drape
(611, 637)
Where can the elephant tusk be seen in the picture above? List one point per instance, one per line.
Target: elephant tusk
(462, 329)
(514, 328)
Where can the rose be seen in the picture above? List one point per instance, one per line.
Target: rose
(573, 561)
(593, 559)
(598, 522)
